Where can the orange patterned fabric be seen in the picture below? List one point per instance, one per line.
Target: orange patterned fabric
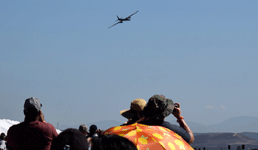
(150, 137)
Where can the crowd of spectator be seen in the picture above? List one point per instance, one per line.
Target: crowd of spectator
(36, 134)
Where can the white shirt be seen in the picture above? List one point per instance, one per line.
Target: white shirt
(3, 144)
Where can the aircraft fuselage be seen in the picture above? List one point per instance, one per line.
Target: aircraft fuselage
(120, 20)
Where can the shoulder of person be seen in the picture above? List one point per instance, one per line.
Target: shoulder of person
(14, 127)
(46, 125)
(168, 124)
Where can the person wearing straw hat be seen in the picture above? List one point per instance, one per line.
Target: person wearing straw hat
(135, 112)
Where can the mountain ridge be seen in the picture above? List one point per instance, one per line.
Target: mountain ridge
(222, 140)
(234, 125)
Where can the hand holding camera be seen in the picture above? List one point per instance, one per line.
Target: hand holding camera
(177, 111)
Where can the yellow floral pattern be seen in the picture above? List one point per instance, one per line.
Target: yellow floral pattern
(157, 136)
(143, 140)
(150, 137)
(171, 146)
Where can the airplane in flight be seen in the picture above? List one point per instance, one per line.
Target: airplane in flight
(123, 19)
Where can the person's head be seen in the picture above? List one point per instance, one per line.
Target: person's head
(112, 142)
(2, 136)
(83, 129)
(70, 139)
(134, 113)
(158, 107)
(32, 107)
(93, 129)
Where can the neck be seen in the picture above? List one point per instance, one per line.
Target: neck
(30, 119)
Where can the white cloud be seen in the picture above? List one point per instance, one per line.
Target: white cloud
(209, 107)
(223, 107)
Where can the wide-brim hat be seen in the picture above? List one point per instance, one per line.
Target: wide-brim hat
(158, 107)
(137, 105)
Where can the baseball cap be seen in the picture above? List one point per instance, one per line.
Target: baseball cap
(32, 103)
(83, 127)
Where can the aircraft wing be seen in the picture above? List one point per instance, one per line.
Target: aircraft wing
(114, 24)
(132, 14)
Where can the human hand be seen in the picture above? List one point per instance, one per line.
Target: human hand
(177, 111)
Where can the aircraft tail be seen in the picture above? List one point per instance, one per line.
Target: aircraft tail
(117, 18)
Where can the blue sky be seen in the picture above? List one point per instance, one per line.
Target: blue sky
(202, 54)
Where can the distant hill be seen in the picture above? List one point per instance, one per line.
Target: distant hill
(253, 135)
(234, 125)
(218, 140)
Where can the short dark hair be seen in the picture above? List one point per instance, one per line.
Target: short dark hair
(2, 136)
(93, 128)
(114, 142)
(70, 138)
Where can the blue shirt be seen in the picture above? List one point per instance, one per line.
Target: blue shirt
(179, 130)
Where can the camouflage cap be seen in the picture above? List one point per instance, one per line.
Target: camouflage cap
(32, 103)
(158, 107)
(83, 127)
(137, 105)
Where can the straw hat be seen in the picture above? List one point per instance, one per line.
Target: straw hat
(137, 105)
